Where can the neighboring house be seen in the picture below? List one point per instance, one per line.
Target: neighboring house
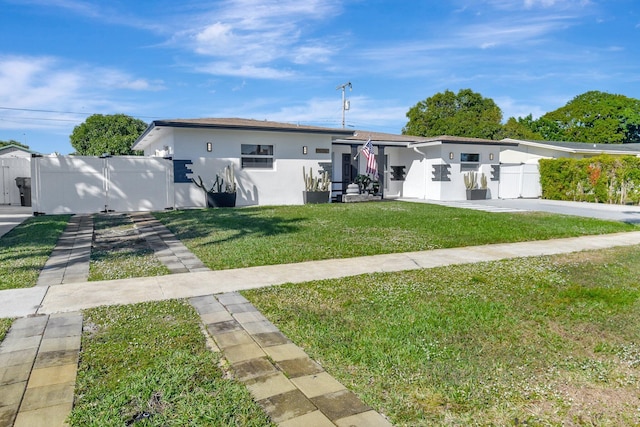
(15, 151)
(267, 157)
(528, 151)
(520, 177)
(14, 163)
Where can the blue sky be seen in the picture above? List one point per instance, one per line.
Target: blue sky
(62, 60)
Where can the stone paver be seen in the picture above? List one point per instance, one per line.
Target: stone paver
(69, 260)
(167, 248)
(293, 389)
(38, 370)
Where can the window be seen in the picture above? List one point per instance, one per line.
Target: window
(470, 157)
(257, 156)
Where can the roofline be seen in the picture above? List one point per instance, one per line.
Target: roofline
(292, 129)
(548, 146)
(26, 150)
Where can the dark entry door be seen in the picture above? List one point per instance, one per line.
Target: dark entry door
(348, 172)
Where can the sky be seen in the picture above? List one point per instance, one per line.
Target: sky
(285, 60)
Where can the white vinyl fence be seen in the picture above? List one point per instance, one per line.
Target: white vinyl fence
(519, 181)
(79, 184)
(10, 169)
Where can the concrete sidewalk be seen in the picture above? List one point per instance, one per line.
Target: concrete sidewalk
(81, 295)
(11, 216)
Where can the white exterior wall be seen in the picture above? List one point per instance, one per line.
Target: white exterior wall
(282, 185)
(10, 169)
(13, 152)
(420, 184)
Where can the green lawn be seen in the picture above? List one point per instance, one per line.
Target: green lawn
(535, 341)
(151, 358)
(5, 324)
(231, 238)
(26, 248)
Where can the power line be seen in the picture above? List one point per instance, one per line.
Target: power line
(34, 110)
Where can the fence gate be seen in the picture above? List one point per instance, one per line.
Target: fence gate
(519, 181)
(82, 184)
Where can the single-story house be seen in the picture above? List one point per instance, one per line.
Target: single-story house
(267, 157)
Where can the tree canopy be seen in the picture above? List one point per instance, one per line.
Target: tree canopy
(466, 114)
(107, 134)
(595, 117)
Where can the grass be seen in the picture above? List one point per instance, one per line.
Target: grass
(536, 341)
(148, 365)
(25, 250)
(231, 238)
(5, 324)
(119, 252)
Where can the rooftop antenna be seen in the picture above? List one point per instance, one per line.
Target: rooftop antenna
(345, 103)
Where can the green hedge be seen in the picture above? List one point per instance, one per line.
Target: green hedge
(600, 179)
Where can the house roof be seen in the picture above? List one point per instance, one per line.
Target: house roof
(379, 138)
(447, 139)
(388, 139)
(153, 129)
(581, 147)
(14, 147)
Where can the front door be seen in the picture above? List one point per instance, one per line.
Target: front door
(348, 172)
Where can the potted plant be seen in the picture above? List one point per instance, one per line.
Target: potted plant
(222, 194)
(316, 189)
(367, 185)
(471, 184)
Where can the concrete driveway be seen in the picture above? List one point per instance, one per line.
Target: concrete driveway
(624, 213)
(10, 216)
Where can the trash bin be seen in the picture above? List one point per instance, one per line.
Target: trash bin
(24, 186)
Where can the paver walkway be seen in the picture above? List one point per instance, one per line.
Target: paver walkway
(292, 388)
(69, 260)
(38, 364)
(167, 248)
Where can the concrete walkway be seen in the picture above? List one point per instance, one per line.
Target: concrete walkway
(11, 216)
(38, 358)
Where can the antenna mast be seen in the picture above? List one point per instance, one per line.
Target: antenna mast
(345, 103)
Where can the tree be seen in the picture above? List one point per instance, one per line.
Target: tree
(594, 117)
(520, 128)
(466, 114)
(110, 134)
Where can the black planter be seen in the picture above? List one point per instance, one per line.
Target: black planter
(477, 194)
(221, 200)
(314, 197)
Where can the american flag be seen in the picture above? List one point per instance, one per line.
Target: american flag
(367, 150)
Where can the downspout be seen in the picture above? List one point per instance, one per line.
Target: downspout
(426, 172)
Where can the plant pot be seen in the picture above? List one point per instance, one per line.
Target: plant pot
(221, 200)
(314, 197)
(477, 194)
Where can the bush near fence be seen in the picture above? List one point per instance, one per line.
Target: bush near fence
(600, 179)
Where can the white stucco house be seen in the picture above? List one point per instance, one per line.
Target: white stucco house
(267, 157)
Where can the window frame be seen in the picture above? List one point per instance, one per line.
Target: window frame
(255, 159)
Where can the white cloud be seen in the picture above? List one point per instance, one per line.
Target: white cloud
(37, 90)
(259, 35)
